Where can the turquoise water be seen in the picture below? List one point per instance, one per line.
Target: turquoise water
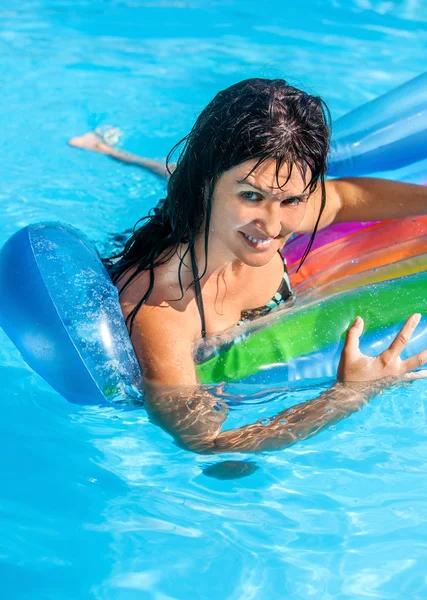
(100, 504)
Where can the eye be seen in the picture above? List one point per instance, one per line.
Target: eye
(251, 196)
(295, 201)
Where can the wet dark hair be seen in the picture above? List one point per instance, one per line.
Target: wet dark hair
(259, 119)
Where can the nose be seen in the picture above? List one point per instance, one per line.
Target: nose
(270, 221)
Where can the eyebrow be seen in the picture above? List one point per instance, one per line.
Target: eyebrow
(245, 181)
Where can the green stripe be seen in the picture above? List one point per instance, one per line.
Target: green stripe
(302, 330)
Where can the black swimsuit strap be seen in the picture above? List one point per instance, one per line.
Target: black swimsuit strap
(283, 290)
(199, 298)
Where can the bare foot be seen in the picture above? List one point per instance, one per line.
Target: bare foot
(101, 140)
(90, 141)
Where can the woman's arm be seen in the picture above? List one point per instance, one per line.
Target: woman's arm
(194, 416)
(365, 199)
(96, 142)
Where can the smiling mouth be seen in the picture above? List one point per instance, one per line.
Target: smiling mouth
(260, 244)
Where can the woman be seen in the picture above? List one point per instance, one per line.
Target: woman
(251, 174)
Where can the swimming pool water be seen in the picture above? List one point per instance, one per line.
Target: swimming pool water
(100, 504)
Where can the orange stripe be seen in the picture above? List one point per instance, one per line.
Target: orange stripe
(293, 266)
(367, 262)
(355, 250)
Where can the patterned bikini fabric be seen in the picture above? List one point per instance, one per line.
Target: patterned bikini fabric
(283, 294)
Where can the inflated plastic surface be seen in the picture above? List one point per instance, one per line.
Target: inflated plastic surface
(375, 271)
(61, 310)
(385, 134)
(368, 248)
(305, 341)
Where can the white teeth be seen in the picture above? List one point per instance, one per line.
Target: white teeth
(257, 241)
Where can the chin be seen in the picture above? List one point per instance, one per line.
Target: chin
(253, 259)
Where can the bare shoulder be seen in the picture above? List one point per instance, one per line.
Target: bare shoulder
(163, 333)
(332, 206)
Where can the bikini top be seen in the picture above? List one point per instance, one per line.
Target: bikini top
(283, 293)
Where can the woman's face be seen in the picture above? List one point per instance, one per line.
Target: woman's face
(252, 217)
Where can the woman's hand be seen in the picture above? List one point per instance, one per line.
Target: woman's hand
(355, 366)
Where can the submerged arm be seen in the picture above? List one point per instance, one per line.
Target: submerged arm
(163, 337)
(195, 419)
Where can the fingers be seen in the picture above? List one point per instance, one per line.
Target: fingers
(418, 375)
(415, 362)
(403, 337)
(351, 345)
